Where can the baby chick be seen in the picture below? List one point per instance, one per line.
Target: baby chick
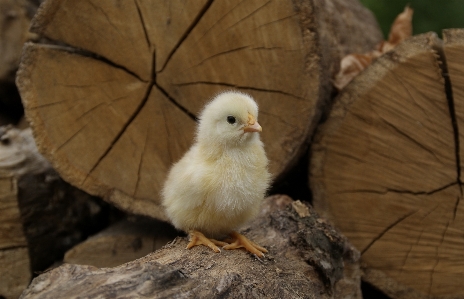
(221, 181)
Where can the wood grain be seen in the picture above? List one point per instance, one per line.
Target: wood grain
(113, 90)
(14, 255)
(386, 170)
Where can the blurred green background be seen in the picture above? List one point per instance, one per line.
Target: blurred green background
(429, 15)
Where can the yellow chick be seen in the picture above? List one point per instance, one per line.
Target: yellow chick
(221, 181)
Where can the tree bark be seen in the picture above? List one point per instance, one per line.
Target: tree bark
(113, 100)
(307, 259)
(386, 167)
(120, 243)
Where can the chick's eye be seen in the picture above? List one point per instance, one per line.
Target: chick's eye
(231, 120)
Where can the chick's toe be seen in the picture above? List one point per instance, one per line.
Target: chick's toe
(197, 238)
(240, 241)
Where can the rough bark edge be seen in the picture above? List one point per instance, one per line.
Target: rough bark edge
(43, 16)
(453, 36)
(68, 172)
(312, 19)
(292, 231)
(349, 95)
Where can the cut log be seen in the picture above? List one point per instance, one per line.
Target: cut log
(14, 257)
(121, 243)
(41, 215)
(115, 104)
(56, 216)
(386, 168)
(307, 259)
(18, 155)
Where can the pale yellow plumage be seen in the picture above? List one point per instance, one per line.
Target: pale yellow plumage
(221, 181)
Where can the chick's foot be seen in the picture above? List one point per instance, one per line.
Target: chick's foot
(240, 241)
(197, 238)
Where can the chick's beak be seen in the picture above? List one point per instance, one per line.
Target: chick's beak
(252, 125)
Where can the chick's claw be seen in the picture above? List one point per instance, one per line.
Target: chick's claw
(240, 241)
(197, 238)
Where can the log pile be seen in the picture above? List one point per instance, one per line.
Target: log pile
(112, 91)
(386, 167)
(115, 131)
(14, 257)
(41, 215)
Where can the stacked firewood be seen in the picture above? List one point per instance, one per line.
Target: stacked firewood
(112, 90)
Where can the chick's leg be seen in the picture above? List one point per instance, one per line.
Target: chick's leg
(197, 238)
(240, 241)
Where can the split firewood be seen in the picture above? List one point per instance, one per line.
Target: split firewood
(18, 156)
(387, 166)
(14, 257)
(307, 259)
(120, 243)
(113, 100)
(41, 215)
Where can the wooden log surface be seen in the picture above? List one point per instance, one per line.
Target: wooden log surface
(120, 243)
(18, 156)
(56, 216)
(386, 167)
(14, 257)
(113, 100)
(307, 259)
(41, 215)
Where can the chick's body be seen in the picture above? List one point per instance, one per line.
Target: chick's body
(216, 195)
(220, 182)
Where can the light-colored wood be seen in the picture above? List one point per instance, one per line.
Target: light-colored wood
(384, 170)
(14, 271)
(114, 105)
(307, 259)
(121, 243)
(19, 154)
(453, 50)
(14, 256)
(11, 228)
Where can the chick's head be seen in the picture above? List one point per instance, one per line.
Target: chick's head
(231, 118)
